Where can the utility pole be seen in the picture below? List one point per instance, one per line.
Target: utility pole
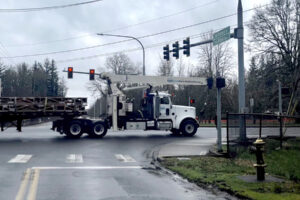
(219, 128)
(240, 36)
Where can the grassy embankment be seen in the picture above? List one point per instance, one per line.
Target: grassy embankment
(223, 172)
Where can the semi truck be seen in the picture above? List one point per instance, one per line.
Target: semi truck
(156, 110)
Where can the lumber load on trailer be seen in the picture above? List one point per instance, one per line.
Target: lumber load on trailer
(41, 104)
(13, 110)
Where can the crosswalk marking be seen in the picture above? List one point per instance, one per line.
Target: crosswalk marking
(74, 158)
(20, 158)
(87, 167)
(70, 158)
(124, 158)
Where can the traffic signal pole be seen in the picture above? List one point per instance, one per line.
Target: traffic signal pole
(218, 38)
(219, 125)
(240, 37)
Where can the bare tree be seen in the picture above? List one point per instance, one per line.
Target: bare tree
(62, 87)
(120, 63)
(275, 30)
(214, 60)
(165, 68)
(180, 67)
(2, 68)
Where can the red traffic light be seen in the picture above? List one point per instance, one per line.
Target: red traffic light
(192, 101)
(92, 74)
(70, 72)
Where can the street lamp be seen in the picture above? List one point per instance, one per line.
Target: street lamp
(131, 37)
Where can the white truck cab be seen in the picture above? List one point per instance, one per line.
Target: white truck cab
(156, 113)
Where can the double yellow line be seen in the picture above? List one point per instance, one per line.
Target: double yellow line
(32, 176)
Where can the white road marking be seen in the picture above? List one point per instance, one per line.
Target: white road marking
(74, 158)
(88, 167)
(20, 158)
(124, 158)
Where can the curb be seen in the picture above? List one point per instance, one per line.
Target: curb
(156, 162)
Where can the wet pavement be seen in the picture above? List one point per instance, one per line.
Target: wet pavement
(41, 164)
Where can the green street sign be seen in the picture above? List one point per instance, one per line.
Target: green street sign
(221, 36)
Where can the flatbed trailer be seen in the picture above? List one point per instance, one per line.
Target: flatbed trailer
(13, 110)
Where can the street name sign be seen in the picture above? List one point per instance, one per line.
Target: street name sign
(221, 36)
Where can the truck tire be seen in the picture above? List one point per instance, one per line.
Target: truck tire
(98, 130)
(188, 128)
(74, 129)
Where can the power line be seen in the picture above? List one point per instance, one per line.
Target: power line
(122, 41)
(46, 8)
(120, 28)
(136, 49)
(163, 17)
(129, 50)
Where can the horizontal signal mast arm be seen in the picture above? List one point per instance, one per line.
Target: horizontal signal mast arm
(152, 80)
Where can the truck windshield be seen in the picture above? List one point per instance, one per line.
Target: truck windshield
(164, 100)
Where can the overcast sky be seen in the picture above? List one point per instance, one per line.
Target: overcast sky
(41, 32)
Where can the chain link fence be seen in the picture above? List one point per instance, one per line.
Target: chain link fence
(243, 129)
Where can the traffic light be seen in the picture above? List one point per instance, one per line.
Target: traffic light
(176, 50)
(210, 82)
(70, 72)
(192, 101)
(220, 82)
(187, 47)
(92, 74)
(166, 52)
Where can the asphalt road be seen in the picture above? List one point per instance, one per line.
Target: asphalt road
(41, 164)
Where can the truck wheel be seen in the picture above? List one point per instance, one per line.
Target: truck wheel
(188, 128)
(176, 132)
(74, 130)
(98, 130)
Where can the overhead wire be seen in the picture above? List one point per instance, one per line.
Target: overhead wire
(10, 10)
(122, 41)
(119, 28)
(124, 51)
(136, 49)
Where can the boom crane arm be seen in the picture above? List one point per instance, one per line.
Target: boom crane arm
(153, 80)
